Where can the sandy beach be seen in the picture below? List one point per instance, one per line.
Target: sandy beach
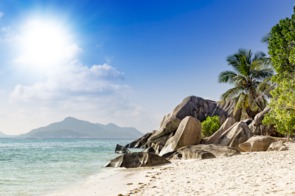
(255, 173)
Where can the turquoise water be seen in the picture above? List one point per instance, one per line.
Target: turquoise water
(37, 167)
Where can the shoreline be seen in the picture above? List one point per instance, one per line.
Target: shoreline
(110, 181)
(255, 173)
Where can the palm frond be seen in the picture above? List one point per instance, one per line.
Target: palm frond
(249, 58)
(233, 60)
(243, 51)
(231, 93)
(226, 76)
(262, 63)
(262, 74)
(259, 56)
(245, 67)
(241, 61)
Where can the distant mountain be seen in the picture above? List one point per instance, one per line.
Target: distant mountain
(75, 128)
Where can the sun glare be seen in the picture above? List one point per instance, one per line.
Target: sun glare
(45, 45)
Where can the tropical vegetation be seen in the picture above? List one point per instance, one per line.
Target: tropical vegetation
(281, 48)
(210, 125)
(251, 80)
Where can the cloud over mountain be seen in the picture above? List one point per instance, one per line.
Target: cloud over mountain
(95, 92)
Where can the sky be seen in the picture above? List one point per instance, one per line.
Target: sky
(127, 62)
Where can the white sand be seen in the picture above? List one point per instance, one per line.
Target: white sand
(256, 173)
(112, 181)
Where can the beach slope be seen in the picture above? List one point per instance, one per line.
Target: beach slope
(254, 173)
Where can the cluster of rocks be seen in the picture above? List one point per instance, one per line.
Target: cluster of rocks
(179, 136)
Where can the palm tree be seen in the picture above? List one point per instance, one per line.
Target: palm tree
(251, 80)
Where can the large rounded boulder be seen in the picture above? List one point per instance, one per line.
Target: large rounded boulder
(235, 135)
(202, 151)
(137, 159)
(190, 153)
(187, 133)
(257, 143)
(217, 150)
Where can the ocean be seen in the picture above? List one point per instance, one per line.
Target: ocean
(42, 166)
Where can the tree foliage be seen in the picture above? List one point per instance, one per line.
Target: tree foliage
(281, 45)
(251, 79)
(282, 105)
(210, 125)
(281, 48)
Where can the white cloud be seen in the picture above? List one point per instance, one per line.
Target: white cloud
(96, 93)
(1, 14)
(74, 81)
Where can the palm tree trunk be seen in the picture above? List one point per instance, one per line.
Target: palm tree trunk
(255, 98)
(237, 114)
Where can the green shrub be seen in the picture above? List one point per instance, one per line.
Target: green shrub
(210, 125)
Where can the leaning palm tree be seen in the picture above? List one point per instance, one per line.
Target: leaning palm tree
(251, 80)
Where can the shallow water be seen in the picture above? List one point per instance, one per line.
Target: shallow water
(37, 167)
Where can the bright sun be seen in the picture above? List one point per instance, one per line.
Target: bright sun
(45, 45)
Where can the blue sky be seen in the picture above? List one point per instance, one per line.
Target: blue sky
(128, 62)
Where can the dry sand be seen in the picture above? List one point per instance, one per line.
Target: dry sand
(256, 173)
